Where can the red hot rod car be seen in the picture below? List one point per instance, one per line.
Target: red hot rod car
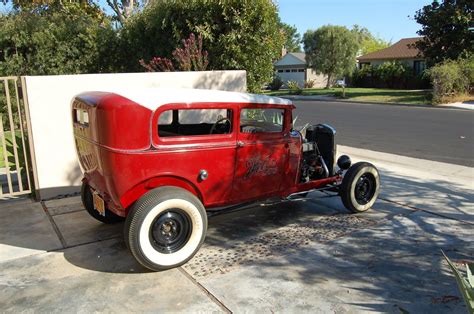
(161, 158)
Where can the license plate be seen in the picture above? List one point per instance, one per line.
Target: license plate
(99, 204)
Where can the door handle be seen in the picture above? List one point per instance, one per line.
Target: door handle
(240, 144)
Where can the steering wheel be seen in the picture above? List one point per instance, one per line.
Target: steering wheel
(217, 122)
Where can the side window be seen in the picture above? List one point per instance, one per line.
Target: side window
(261, 120)
(192, 122)
(166, 118)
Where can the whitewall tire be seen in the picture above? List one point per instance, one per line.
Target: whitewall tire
(165, 228)
(360, 187)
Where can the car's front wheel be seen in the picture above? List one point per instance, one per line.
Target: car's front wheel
(360, 187)
(165, 228)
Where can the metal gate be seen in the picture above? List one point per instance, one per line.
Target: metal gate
(15, 162)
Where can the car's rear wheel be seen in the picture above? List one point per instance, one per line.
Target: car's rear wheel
(88, 202)
(165, 228)
(360, 187)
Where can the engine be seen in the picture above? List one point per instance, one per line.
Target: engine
(319, 151)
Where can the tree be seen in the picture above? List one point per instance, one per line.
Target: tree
(367, 41)
(238, 35)
(42, 7)
(330, 50)
(52, 41)
(447, 30)
(292, 37)
(122, 9)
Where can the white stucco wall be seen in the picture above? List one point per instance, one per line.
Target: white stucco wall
(49, 100)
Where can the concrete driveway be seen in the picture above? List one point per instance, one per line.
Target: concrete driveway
(306, 255)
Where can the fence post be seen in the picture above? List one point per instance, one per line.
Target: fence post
(31, 146)
(5, 157)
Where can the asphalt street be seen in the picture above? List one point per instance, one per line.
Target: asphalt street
(445, 135)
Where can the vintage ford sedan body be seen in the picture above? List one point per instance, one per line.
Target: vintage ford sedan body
(163, 157)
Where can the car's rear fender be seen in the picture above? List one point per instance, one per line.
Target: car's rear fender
(129, 197)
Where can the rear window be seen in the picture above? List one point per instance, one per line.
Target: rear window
(81, 116)
(193, 122)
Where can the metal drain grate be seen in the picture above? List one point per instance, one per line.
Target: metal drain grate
(213, 259)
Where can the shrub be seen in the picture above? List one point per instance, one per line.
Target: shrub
(189, 58)
(393, 74)
(391, 71)
(309, 84)
(276, 83)
(467, 67)
(360, 76)
(449, 79)
(294, 87)
(158, 64)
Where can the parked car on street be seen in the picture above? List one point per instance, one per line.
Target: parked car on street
(162, 159)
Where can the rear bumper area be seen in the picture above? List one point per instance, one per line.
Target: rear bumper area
(110, 204)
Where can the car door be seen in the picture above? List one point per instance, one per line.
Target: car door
(261, 154)
(196, 144)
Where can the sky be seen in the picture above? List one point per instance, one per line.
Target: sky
(388, 19)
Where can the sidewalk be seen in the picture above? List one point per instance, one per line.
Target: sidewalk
(463, 105)
(307, 255)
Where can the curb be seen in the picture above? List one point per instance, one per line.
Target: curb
(331, 99)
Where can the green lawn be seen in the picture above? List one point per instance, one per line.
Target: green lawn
(414, 97)
(8, 142)
(8, 137)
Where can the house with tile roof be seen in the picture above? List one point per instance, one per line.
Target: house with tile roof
(292, 67)
(404, 51)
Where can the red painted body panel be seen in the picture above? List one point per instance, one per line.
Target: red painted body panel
(260, 166)
(146, 170)
(123, 157)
